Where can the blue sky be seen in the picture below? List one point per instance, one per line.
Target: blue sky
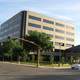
(63, 9)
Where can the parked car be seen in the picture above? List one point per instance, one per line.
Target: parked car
(75, 66)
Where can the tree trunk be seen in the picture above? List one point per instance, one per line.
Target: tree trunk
(33, 58)
(3, 59)
(18, 59)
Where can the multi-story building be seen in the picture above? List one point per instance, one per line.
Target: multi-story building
(61, 32)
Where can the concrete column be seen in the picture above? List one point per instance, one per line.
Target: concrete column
(38, 57)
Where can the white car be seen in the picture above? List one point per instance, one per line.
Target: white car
(76, 66)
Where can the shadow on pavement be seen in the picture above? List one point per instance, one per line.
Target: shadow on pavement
(50, 77)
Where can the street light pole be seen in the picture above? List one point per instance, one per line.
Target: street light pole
(61, 44)
(53, 53)
(38, 57)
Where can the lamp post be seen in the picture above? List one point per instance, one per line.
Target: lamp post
(60, 44)
(38, 57)
(52, 56)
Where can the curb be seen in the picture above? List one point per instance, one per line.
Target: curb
(55, 67)
(34, 66)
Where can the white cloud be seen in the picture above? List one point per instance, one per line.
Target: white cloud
(74, 7)
(64, 17)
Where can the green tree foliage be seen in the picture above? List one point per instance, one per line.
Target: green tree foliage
(13, 48)
(7, 46)
(42, 39)
(1, 51)
(18, 52)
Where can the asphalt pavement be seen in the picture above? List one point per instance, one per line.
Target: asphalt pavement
(10, 71)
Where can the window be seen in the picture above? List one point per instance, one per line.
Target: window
(50, 35)
(59, 37)
(59, 44)
(34, 25)
(59, 24)
(48, 21)
(68, 45)
(48, 28)
(69, 39)
(60, 31)
(70, 27)
(34, 18)
(69, 33)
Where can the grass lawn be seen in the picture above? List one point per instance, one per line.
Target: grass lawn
(47, 64)
(43, 64)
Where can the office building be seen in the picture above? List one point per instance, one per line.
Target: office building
(61, 32)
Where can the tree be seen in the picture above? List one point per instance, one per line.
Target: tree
(12, 47)
(18, 52)
(42, 39)
(7, 47)
(1, 53)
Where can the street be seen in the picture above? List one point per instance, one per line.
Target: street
(10, 71)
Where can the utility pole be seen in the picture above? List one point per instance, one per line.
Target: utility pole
(60, 57)
(38, 57)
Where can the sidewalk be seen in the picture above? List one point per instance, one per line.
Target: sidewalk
(55, 67)
(35, 66)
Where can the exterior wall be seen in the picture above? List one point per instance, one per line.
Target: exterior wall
(11, 28)
(62, 33)
(18, 26)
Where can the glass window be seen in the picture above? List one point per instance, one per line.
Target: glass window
(34, 25)
(48, 21)
(69, 33)
(59, 37)
(48, 28)
(60, 31)
(50, 35)
(34, 18)
(69, 39)
(70, 27)
(59, 24)
(68, 45)
(59, 44)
